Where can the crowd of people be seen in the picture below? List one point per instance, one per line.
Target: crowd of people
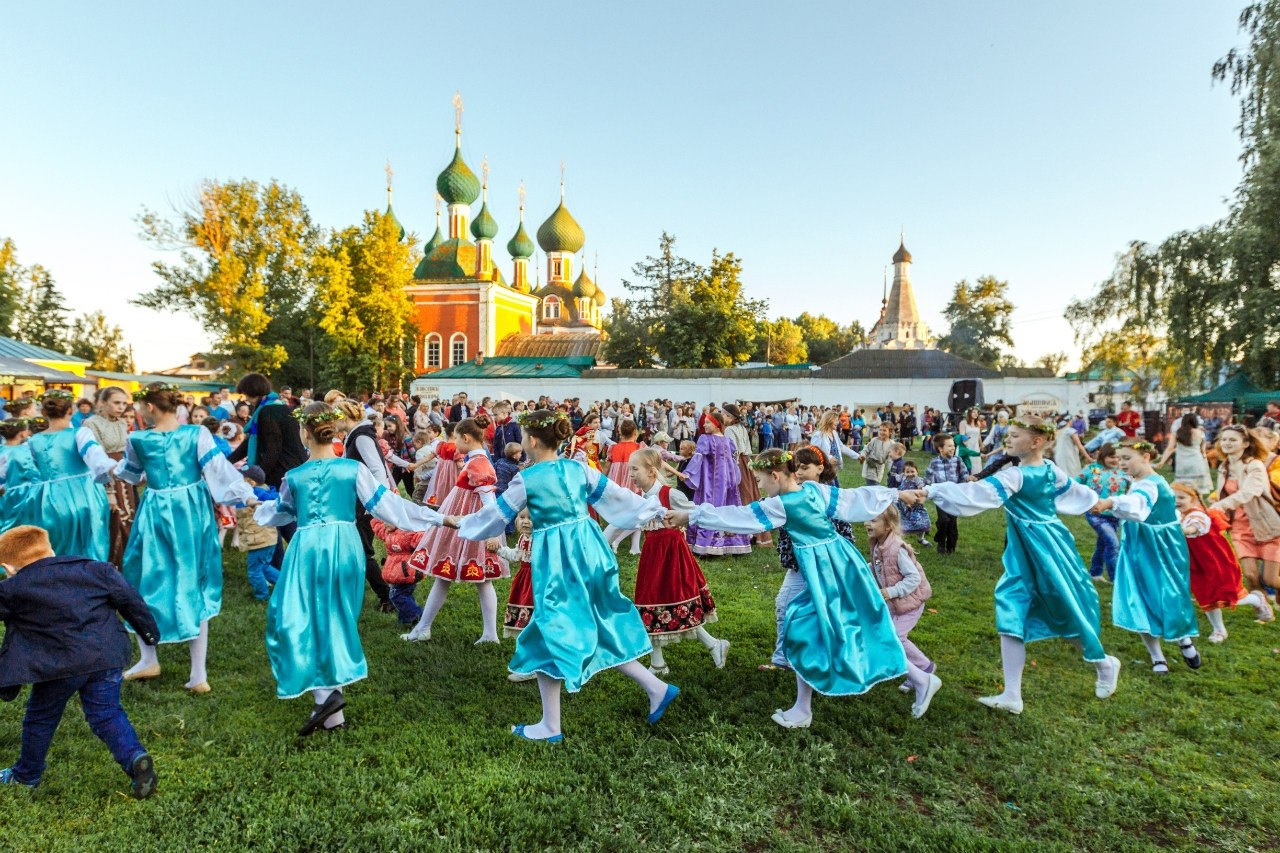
(126, 501)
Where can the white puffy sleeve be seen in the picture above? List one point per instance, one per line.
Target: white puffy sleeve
(226, 484)
(277, 513)
(757, 517)
(861, 504)
(100, 464)
(492, 519)
(965, 499)
(384, 504)
(129, 468)
(618, 506)
(1196, 524)
(1072, 497)
(1137, 504)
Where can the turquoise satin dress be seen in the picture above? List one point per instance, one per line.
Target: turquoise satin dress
(1153, 573)
(173, 558)
(313, 640)
(1045, 590)
(67, 502)
(21, 481)
(838, 633)
(582, 623)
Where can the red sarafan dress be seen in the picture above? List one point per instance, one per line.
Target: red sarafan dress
(619, 467)
(442, 553)
(520, 601)
(671, 590)
(445, 476)
(1215, 571)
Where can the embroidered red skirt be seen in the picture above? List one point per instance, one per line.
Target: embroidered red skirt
(671, 590)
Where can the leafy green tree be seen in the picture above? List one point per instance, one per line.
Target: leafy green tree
(627, 340)
(362, 307)
(980, 318)
(42, 318)
(244, 254)
(1054, 361)
(12, 275)
(712, 323)
(826, 339)
(93, 338)
(780, 341)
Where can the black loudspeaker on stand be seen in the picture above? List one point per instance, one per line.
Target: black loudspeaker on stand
(964, 395)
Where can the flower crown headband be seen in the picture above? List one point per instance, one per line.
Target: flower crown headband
(327, 416)
(762, 464)
(1141, 446)
(1045, 429)
(527, 420)
(141, 393)
(56, 394)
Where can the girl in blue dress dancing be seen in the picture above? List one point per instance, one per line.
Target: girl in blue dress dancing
(582, 624)
(1045, 590)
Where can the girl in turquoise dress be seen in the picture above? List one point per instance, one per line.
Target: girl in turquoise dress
(838, 632)
(1152, 595)
(1045, 590)
(66, 502)
(313, 641)
(582, 624)
(174, 556)
(14, 490)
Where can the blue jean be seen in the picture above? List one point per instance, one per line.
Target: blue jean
(792, 585)
(1108, 547)
(100, 699)
(407, 610)
(261, 571)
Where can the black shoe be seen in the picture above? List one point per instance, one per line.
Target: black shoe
(143, 774)
(1193, 661)
(385, 606)
(335, 703)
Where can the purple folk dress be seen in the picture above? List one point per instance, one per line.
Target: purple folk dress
(714, 475)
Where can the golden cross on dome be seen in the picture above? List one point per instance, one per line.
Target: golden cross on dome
(522, 201)
(484, 172)
(389, 174)
(562, 182)
(439, 199)
(457, 112)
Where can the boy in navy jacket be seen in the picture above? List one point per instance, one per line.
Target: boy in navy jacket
(62, 637)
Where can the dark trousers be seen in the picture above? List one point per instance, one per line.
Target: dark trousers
(947, 532)
(100, 699)
(286, 533)
(372, 571)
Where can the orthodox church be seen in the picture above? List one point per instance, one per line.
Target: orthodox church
(464, 306)
(899, 325)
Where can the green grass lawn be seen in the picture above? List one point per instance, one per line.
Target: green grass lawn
(1186, 762)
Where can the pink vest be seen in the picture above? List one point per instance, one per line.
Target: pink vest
(884, 563)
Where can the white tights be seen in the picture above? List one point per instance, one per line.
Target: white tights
(549, 688)
(803, 708)
(658, 662)
(199, 648)
(488, 609)
(320, 696)
(1013, 657)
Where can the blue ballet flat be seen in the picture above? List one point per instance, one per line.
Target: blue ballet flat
(672, 693)
(518, 731)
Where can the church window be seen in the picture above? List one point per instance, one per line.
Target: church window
(457, 349)
(433, 350)
(551, 308)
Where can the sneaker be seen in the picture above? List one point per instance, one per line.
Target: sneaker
(143, 774)
(416, 636)
(7, 778)
(1265, 612)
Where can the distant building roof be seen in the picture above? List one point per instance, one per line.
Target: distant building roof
(695, 373)
(9, 348)
(904, 364)
(514, 367)
(1028, 372)
(547, 346)
(147, 378)
(23, 370)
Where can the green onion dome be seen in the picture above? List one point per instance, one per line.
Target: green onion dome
(392, 214)
(584, 287)
(600, 298)
(457, 184)
(520, 247)
(561, 232)
(484, 227)
(432, 244)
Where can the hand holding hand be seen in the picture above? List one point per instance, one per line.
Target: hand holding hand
(491, 546)
(451, 521)
(884, 593)
(676, 518)
(1102, 506)
(911, 497)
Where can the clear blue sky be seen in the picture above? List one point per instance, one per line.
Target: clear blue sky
(1029, 141)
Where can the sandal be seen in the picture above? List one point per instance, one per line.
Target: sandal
(771, 667)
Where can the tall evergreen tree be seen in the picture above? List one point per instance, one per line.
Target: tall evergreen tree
(42, 319)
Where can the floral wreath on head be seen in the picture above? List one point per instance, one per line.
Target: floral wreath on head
(141, 393)
(56, 394)
(762, 464)
(1045, 429)
(1140, 446)
(527, 420)
(313, 418)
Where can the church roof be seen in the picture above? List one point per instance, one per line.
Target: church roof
(561, 232)
(904, 364)
(396, 220)
(456, 258)
(519, 367)
(457, 184)
(584, 287)
(901, 307)
(520, 246)
(566, 345)
(902, 255)
(484, 227)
